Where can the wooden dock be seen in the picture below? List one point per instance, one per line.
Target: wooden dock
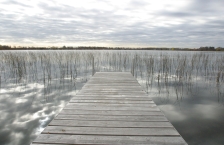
(111, 109)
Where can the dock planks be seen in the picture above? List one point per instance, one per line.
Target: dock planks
(111, 108)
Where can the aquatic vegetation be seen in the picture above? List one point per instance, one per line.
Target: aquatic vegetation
(161, 67)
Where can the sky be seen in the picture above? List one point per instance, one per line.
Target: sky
(112, 23)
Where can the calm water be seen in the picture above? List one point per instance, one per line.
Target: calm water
(187, 86)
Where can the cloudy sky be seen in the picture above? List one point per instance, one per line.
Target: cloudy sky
(141, 23)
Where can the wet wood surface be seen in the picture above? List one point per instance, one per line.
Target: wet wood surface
(111, 108)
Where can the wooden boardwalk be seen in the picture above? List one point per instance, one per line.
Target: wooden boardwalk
(111, 108)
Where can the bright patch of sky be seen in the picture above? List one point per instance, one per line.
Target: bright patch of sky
(132, 23)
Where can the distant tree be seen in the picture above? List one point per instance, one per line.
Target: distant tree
(5, 47)
(210, 48)
(219, 49)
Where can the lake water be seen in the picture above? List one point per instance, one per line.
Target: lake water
(187, 86)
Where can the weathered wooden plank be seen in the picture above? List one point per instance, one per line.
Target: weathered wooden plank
(111, 82)
(113, 101)
(139, 118)
(114, 84)
(113, 79)
(91, 107)
(112, 105)
(112, 74)
(111, 96)
(114, 87)
(110, 112)
(78, 97)
(110, 131)
(123, 124)
(112, 91)
(109, 89)
(119, 78)
(50, 144)
(102, 92)
(109, 140)
(108, 99)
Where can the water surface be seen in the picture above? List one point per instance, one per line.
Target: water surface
(187, 87)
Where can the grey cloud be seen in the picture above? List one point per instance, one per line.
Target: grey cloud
(51, 9)
(99, 26)
(207, 5)
(169, 34)
(199, 9)
(205, 8)
(13, 2)
(137, 3)
(176, 14)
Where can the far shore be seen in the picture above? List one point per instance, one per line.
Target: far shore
(5, 47)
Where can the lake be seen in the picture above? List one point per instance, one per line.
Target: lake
(187, 86)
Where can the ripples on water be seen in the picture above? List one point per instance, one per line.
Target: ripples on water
(187, 86)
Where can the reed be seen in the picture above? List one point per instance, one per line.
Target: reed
(166, 69)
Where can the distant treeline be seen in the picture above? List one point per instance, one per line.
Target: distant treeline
(210, 48)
